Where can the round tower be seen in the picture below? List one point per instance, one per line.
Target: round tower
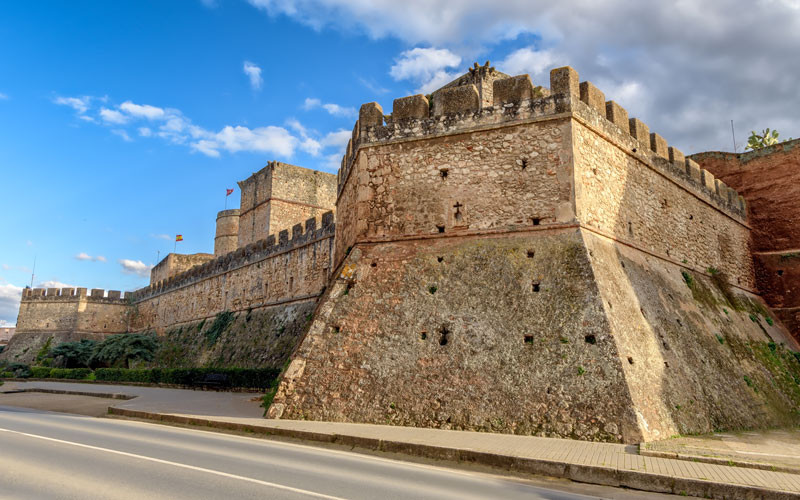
(227, 237)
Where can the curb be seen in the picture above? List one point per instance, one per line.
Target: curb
(718, 461)
(643, 481)
(108, 395)
(254, 390)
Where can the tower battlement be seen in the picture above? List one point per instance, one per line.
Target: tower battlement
(459, 108)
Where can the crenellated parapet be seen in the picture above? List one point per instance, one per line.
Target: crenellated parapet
(313, 230)
(74, 295)
(464, 106)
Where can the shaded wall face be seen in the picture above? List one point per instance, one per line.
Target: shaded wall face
(514, 176)
(174, 264)
(296, 273)
(769, 180)
(254, 208)
(628, 200)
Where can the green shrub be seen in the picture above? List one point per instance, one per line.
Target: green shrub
(218, 327)
(19, 370)
(6, 375)
(123, 348)
(253, 378)
(769, 321)
(40, 372)
(75, 354)
(71, 373)
(687, 278)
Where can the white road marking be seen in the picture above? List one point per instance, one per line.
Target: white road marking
(176, 464)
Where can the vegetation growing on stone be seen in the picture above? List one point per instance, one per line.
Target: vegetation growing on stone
(218, 327)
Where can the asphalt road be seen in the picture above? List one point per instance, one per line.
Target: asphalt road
(56, 455)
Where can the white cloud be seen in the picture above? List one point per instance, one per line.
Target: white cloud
(53, 284)
(6, 324)
(3, 96)
(142, 110)
(123, 134)
(113, 116)
(161, 237)
(79, 104)
(135, 267)
(697, 65)
(86, 257)
(332, 109)
(253, 72)
(10, 296)
(537, 63)
(426, 67)
(145, 131)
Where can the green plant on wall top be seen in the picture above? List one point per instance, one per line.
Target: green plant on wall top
(766, 138)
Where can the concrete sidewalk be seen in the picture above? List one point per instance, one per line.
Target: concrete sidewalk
(598, 463)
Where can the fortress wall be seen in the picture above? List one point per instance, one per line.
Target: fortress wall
(253, 211)
(281, 195)
(226, 238)
(621, 194)
(176, 263)
(63, 315)
(768, 180)
(486, 350)
(263, 274)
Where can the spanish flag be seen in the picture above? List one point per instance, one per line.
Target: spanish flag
(179, 237)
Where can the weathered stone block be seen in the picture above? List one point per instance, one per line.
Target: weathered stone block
(617, 115)
(658, 145)
(81, 292)
(370, 115)
(708, 180)
(592, 96)
(512, 89)
(721, 189)
(297, 231)
(676, 156)
(52, 292)
(639, 131)
(463, 99)
(114, 294)
(565, 81)
(67, 292)
(98, 292)
(283, 237)
(311, 224)
(693, 170)
(413, 107)
(327, 219)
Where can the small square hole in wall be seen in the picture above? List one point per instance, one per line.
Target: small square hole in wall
(780, 272)
(528, 339)
(524, 164)
(590, 339)
(443, 172)
(630, 360)
(423, 335)
(373, 264)
(536, 287)
(536, 221)
(440, 228)
(440, 259)
(337, 329)
(531, 253)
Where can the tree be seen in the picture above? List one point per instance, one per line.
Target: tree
(75, 354)
(121, 349)
(766, 138)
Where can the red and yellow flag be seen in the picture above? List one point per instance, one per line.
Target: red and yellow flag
(178, 237)
(228, 192)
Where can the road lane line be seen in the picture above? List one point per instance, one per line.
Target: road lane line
(177, 464)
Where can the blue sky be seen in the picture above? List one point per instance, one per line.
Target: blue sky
(122, 123)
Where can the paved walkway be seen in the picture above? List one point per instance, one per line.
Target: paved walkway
(769, 449)
(598, 463)
(157, 399)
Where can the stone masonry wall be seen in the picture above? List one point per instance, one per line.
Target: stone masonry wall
(625, 198)
(64, 314)
(281, 195)
(176, 263)
(262, 274)
(768, 180)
